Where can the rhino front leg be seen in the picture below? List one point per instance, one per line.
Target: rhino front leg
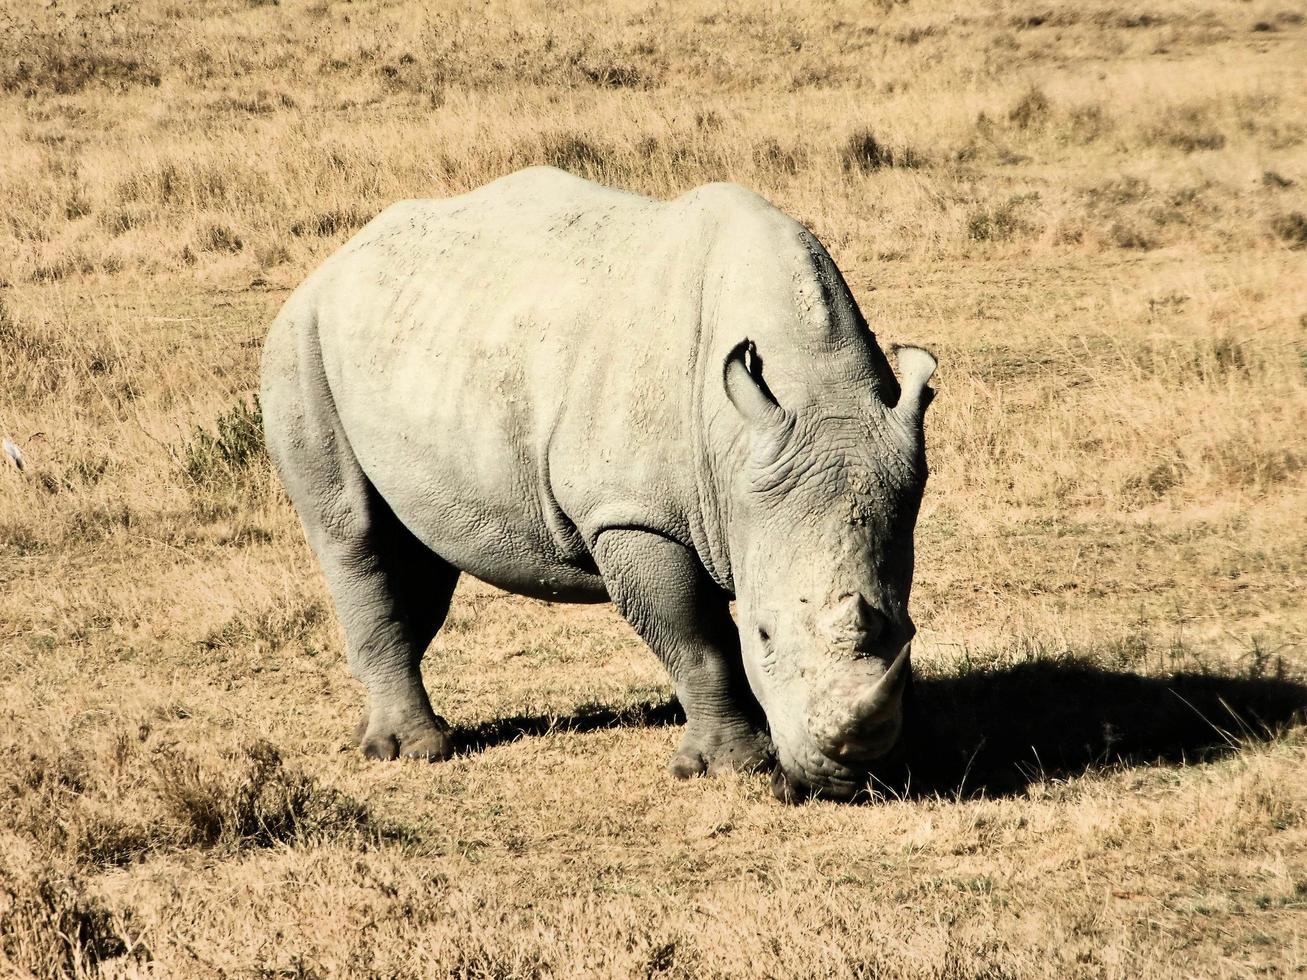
(660, 588)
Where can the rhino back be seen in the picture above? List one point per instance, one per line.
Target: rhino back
(514, 370)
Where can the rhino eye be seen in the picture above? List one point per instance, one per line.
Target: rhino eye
(764, 635)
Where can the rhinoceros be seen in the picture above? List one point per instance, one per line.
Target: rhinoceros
(581, 394)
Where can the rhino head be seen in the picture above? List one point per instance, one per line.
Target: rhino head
(823, 511)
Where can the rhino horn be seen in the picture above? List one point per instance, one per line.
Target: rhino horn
(884, 696)
(916, 365)
(867, 725)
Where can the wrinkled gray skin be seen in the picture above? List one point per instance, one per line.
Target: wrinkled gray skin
(546, 384)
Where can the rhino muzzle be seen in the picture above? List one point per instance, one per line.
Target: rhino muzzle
(859, 727)
(855, 713)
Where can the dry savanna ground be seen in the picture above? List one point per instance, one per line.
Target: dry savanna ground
(1095, 213)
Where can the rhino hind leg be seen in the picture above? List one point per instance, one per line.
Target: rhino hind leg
(391, 613)
(390, 592)
(661, 590)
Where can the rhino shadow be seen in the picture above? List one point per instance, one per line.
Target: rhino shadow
(586, 718)
(996, 731)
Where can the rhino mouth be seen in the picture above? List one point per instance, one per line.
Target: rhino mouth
(816, 775)
(821, 777)
(792, 789)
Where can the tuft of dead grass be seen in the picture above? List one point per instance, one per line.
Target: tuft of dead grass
(136, 795)
(51, 925)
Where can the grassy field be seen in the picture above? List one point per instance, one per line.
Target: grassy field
(1095, 214)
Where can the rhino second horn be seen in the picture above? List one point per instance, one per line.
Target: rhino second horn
(852, 620)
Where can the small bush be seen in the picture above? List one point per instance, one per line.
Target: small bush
(863, 152)
(1002, 222)
(572, 153)
(120, 220)
(223, 459)
(51, 926)
(77, 206)
(276, 626)
(1109, 195)
(252, 801)
(67, 61)
(111, 802)
(329, 223)
(708, 119)
(61, 264)
(607, 75)
(918, 33)
(39, 358)
(1087, 123)
(769, 155)
(229, 469)
(1124, 234)
(1188, 130)
(16, 338)
(218, 237)
(1291, 228)
(1031, 111)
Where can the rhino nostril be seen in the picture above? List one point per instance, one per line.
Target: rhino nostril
(871, 626)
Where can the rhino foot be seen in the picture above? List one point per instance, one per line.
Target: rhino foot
(428, 739)
(697, 756)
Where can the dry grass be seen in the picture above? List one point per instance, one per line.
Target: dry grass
(1094, 214)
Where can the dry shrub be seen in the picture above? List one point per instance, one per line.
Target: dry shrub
(275, 626)
(68, 58)
(252, 800)
(190, 182)
(1117, 192)
(770, 157)
(1291, 229)
(863, 152)
(1046, 18)
(1130, 213)
(1003, 221)
(1031, 111)
(120, 220)
(1127, 234)
(44, 357)
(918, 33)
(217, 236)
(228, 466)
(134, 794)
(62, 262)
(1188, 129)
(605, 73)
(327, 224)
(576, 154)
(1087, 123)
(52, 926)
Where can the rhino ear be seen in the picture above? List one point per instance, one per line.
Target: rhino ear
(916, 365)
(748, 392)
